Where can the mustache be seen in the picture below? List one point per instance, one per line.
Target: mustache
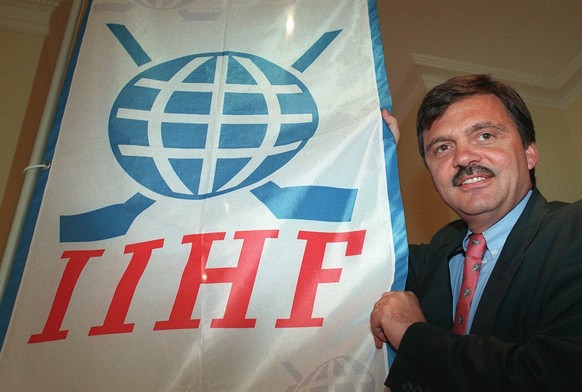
(469, 171)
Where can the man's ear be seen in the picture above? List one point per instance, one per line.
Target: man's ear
(531, 154)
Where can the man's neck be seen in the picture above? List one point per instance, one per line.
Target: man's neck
(480, 223)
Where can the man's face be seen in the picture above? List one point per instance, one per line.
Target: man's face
(477, 160)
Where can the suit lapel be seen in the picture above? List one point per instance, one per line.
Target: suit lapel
(508, 263)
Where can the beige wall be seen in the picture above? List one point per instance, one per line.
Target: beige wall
(26, 67)
(559, 143)
(18, 66)
(20, 54)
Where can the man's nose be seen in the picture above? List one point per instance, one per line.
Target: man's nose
(465, 155)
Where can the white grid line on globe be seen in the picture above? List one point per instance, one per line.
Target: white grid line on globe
(156, 116)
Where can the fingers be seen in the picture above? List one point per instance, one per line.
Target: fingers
(392, 315)
(392, 124)
(379, 342)
(376, 327)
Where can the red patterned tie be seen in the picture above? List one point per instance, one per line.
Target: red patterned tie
(473, 258)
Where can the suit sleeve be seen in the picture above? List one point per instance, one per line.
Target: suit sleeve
(416, 265)
(535, 346)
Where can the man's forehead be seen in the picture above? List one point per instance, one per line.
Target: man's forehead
(471, 112)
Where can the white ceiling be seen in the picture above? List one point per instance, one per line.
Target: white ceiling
(535, 45)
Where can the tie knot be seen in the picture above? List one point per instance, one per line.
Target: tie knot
(476, 246)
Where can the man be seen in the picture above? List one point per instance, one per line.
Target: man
(522, 328)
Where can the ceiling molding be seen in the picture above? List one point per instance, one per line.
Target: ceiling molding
(557, 92)
(27, 16)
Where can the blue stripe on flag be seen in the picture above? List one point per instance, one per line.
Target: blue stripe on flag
(130, 44)
(315, 50)
(107, 222)
(316, 203)
(396, 210)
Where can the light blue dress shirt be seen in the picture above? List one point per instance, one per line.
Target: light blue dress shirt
(495, 238)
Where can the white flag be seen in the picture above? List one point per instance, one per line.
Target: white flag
(222, 207)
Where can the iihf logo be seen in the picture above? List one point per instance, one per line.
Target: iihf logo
(203, 125)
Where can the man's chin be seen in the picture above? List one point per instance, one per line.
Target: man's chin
(475, 208)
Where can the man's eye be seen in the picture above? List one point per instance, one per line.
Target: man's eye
(441, 148)
(486, 136)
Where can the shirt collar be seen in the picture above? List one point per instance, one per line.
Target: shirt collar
(496, 235)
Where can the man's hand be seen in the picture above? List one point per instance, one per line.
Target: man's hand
(392, 315)
(392, 124)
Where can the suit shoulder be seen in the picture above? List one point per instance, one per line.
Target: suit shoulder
(447, 235)
(450, 232)
(562, 207)
(564, 214)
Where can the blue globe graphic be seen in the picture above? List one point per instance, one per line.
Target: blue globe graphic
(338, 374)
(202, 125)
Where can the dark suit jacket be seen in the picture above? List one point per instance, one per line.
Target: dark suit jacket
(527, 331)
